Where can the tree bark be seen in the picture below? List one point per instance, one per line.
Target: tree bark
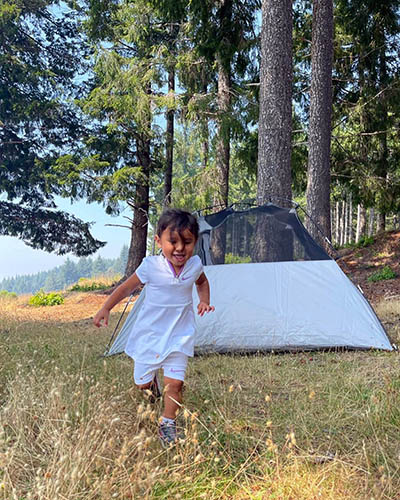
(383, 162)
(380, 222)
(140, 206)
(138, 244)
(337, 222)
(275, 120)
(223, 140)
(371, 221)
(342, 218)
(351, 232)
(274, 181)
(218, 242)
(169, 142)
(395, 221)
(361, 222)
(205, 148)
(318, 183)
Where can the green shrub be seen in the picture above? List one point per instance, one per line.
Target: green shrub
(46, 299)
(97, 283)
(365, 241)
(384, 274)
(88, 287)
(236, 259)
(5, 294)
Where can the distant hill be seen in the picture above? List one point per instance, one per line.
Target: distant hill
(62, 276)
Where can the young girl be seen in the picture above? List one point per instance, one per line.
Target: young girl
(163, 335)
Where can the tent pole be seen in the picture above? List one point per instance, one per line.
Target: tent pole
(116, 326)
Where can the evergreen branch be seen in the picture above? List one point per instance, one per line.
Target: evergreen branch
(357, 106)
(118, 225)
(52, 231)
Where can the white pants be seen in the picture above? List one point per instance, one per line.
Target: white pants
(174, 366)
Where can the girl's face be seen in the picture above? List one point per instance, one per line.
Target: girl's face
(177, 248)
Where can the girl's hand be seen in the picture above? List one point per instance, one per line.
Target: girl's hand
(103, 314)
(203, 307)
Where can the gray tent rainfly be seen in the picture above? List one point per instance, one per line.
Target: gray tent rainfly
(273, 288)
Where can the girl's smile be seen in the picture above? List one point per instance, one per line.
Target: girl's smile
(176, 247)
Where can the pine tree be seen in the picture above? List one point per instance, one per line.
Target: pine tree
(366, 149)
(319, 136)
(275, 121)
(40, 55)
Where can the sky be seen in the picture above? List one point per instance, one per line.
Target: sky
(16, 258)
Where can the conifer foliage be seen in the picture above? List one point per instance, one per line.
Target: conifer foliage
(144, 103)
(40, 56)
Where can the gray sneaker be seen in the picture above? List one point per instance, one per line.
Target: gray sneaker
(167, 433)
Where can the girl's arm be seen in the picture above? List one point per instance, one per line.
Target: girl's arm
(203, 291)
(123, 290)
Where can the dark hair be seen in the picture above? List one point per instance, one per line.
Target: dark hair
(177, 220)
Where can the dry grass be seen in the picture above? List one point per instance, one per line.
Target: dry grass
(78, 306)
(294, 426)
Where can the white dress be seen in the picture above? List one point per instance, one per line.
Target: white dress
(165, 323)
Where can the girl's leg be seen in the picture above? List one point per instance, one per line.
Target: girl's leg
(174, 374)
(172, 397)
(146, 380)
(151, 390)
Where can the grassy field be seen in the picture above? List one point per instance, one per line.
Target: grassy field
(293, 426)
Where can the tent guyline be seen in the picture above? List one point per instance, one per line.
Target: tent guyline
(274, 288)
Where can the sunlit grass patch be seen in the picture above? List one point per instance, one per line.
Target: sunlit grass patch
(77, 306)
(92, 284)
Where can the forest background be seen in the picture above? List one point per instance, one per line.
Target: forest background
(196, 104)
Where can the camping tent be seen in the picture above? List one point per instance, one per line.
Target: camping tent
(273, 288)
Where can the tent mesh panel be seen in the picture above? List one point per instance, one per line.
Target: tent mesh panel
(260, 234)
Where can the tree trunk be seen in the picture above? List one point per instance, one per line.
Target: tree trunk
(383, 162)
(380, 222)
(351, 232)
(205, 148)
(345, 221)
(140, 205)
(223, 140)
(337, 240)
(361, 222)
(185, 149)
(224, 108)
(342, 218)
(318, 183)
(275, 120)
(218, 242)
(169, 142)
(138, 244)
(371, 221)
(274, 182)
(395, 221)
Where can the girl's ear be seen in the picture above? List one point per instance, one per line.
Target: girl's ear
(157, 240)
